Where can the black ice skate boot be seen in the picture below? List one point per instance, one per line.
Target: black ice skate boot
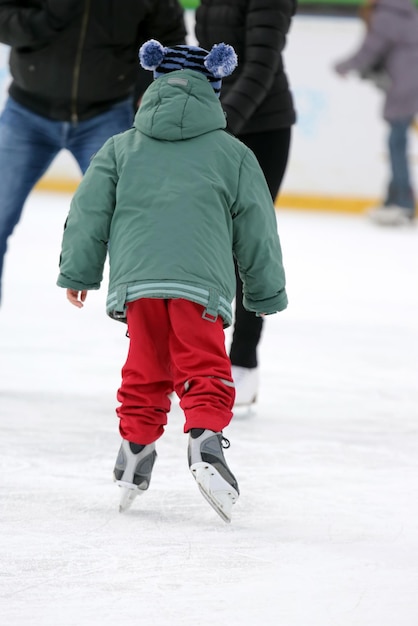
(133, 470)
(208, 466)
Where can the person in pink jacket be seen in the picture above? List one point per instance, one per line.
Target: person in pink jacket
(390, 50)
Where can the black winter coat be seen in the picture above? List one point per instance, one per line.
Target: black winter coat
(73, 59)
(256, 97)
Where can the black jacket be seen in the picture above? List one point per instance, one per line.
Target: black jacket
(73, 59)
(256, 97)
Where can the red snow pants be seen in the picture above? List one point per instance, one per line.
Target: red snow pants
(173, 348)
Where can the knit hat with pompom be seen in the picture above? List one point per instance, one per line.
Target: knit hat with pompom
(219, 62)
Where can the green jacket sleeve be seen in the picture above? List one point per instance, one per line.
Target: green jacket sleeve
(256, 242)
(86, 232)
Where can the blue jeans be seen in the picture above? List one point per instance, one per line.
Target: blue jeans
(400, 190)
(28, 145)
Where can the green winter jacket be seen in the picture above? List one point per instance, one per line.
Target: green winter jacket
(172, 201)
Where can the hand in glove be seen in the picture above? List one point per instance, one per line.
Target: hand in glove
(341, 68)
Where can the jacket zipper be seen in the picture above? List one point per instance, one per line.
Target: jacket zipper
(77, 65)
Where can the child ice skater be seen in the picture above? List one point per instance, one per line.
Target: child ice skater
(173, 201)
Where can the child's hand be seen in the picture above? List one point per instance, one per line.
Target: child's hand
(76, 298)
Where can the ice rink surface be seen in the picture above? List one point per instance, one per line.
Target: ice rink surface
(326, 530)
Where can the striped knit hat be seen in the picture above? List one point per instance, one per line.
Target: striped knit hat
(219, 62)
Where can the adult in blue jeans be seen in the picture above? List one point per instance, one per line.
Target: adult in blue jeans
(389, 52)
(74, 68)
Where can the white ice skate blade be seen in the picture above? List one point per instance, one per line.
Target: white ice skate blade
(217, 491)
(128, 495)
(244, 411)
(392, 216)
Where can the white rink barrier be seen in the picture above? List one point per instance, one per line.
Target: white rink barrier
(338, 155)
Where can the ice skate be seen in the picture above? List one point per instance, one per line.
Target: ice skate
(208, 467)
(133, 470)
(391, 215)
(246, 382)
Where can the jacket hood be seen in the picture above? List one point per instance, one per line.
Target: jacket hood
(403, 6)
(179, 105)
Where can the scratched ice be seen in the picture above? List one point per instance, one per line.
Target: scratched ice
(325, 532)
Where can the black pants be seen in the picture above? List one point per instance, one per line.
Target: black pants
(272, 151)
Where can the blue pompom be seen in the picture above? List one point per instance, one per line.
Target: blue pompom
(151, 54)
(221, 60)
